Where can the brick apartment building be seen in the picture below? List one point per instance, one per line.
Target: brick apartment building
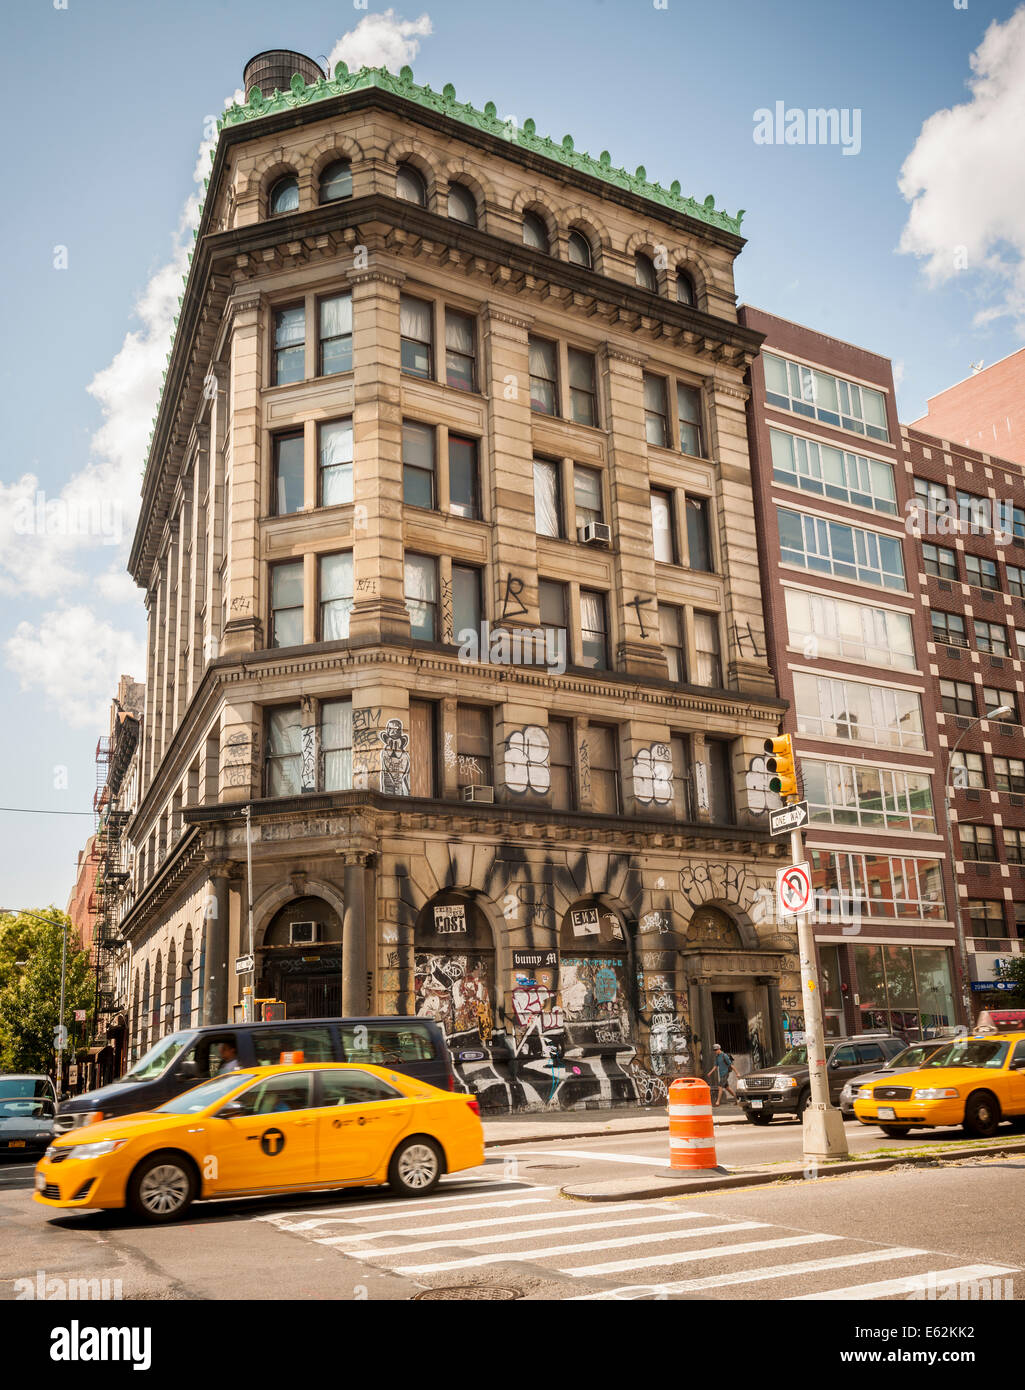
(985, 411)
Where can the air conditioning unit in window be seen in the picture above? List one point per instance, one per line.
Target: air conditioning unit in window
(595, 533)
(478, 793)
(303, 933)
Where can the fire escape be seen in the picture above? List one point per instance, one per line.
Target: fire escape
(113, 756)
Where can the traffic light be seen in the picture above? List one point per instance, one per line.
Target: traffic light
(781, 763)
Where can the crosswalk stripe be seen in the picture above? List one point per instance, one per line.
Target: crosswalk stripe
(562, 1212)
(754, 1276)
(401, 1208)
(713, 1252)
(912, 1283)
(549, 1252)
(351, 1248)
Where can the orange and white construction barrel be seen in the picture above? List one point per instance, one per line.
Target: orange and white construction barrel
(691, 1136)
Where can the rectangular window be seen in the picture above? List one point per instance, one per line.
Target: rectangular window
(460, 351)
(987, 924)
(284, 751)
(587, 495)
(656, 413)
(991, 637)
(418, 474)
(822, 396)
(463, 484)
(336, 745)
(826, 471)
(335, 463)
(973, 511)
(978, 843)
(473, 746)
(335, 316)
(699, 542)
(957, 697)
(948, 628)
(288, 495)
(844, 628)
(692, 431)
(416, 328)
(932, 496)
(870, 797)
(1015, 581)
(720, 780)
(547, 499)
(1014, 846)
(670, 630)
(553, 606)
(981, 572)
(286, 603)
(594, 639)
(583, 394)
(940, 561)
(662, 533)
(603, 760)
(683, 776)
(335, 596)
(1009, 775)
(707, 650)
(847, 552)
(423, 745)
(560, 761)
(852, 885)
(544, 379)
(289, 345)
(466, 601)
(421, 588)
(841, 709)
(968, 770)
(993, 698)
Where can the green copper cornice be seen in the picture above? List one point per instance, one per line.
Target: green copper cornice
(300, 94)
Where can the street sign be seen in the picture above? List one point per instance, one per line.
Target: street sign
(788, 818)
(60, 1035)
(244, 965)
(793, 890)
(80, 1015)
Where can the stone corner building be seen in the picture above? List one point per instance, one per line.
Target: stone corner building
(449, 553)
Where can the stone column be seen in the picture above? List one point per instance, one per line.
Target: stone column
(215, 960)
(706, 1027)
(354, 934)
(774, 1042)
(243, 630)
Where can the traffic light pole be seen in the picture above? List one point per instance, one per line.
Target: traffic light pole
(824, 1134)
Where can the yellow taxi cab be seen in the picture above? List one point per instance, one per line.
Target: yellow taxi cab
(272, 1129)
(976, 1082)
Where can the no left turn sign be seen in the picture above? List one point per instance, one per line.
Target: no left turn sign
(793, 890)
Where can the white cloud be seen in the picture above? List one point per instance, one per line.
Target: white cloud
(75, 660)
(963, 178)
(380, 41)
(117, 586)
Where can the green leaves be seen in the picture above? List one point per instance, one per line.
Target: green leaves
(30, 982)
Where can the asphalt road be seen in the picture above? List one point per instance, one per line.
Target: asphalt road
(504, 1230)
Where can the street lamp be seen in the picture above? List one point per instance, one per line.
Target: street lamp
(1000, 712)
(23, 912)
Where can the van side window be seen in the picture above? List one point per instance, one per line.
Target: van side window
(205, 1052)
(844, 1057)
(386, 1045)
(314, 1043)
(354, 1088)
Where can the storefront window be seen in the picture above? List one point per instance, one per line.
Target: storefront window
(904, 989)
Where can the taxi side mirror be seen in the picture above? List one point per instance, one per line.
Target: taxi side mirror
(229, 1111)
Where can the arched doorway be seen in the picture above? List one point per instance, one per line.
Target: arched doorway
(170, 990)
(454, 969)
(730, 984)
(300, 960)
(595, 977)
(186, 982)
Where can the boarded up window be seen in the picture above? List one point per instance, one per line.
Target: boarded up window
(603, 748)
(473, 745)
(560, 741)
(422, 744)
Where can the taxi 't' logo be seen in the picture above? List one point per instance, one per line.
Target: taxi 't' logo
(272, 1141)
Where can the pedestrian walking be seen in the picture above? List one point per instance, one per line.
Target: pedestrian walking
(721, 1067)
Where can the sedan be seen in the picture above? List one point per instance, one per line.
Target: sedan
(910, 1059)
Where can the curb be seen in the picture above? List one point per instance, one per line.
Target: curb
(619, 1189)
(548, 1137)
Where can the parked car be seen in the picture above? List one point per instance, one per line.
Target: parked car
(785, 1089)
(28, 1104)
(413, 1046)
(267, 1129)
(910, 1059)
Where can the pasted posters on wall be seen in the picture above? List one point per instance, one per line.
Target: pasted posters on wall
(595, 999)
(456, 991)
(451, 918)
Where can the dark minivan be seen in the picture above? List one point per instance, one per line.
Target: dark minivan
(415, 1046)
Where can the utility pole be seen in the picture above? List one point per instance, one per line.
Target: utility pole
(249, 990)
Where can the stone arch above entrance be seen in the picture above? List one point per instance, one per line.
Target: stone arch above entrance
(300, 959)
(454, 977)
(595, 977)
(712, 926)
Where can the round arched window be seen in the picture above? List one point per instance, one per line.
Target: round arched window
(284, 196)
(336, 182)
(535, 232)
(462, 205)
(644, 272)
(410, 186)
(579, 250)
(685, 288)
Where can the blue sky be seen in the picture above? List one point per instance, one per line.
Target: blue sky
(107, 104)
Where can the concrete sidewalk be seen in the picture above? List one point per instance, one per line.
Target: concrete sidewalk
(589, 1124)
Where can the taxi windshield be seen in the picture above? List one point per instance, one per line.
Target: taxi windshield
(158, 1058)
(796, 1057)
(910, 1057)
(191, 1102)
(971, 1052)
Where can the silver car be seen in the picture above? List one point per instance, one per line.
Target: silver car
(28, 1106)
(910, 1059)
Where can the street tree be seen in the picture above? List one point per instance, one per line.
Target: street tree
(30, 987)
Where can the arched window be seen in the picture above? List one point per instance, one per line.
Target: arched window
(535, 232)
(284, 196)
(410, 186)
(170, 990)
(594, 976)
(644, 273)
(185, 993)
(580, 250)
(462, 205)
(454, 975)
(336, 182)
(685, 288)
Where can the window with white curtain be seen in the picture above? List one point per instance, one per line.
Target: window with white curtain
(336, 745)
(547, 502)
(707, 650)
(335, 463)
(421, 590)
(416, 330)
(335, 334)
(544, 381)
(284, 751)
(335, 596)
(286, 601)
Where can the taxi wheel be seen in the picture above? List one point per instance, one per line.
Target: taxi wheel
(982, 1114)
(415, 1168)
(896, 1131)
(162, 1187)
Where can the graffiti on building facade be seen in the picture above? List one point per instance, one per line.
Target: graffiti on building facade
(653, 775)
(526, 761)
(395, 761)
